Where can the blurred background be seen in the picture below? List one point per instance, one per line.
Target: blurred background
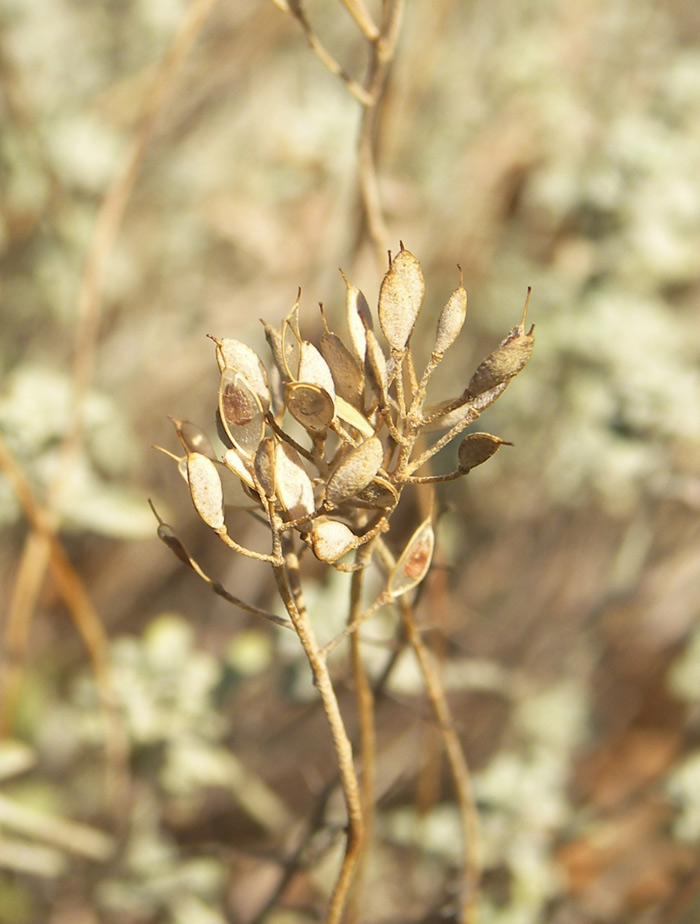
(548, 144)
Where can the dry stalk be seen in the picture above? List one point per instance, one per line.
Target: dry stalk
(381, 41)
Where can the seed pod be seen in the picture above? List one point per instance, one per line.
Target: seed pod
(400, 299)
(193, 438)
(265, 466)
(450, 321)
(241, 413)
(347, 375)
(310, 405)
(379, 494)
(376, 366)
(239, 357)
(233, 461)
(274, 341)
(165, 534)
(477, 448)
(205, 489)
(359, 318)
(291, 342)
(503, 364)
(414, 562)
(330, 540)
(313, 369)
(293, 485)
(355, 471)
(350, 415)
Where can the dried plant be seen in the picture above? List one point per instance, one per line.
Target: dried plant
(359, 413)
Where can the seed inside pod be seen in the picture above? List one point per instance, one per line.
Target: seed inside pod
(241, 412)
(240, 358)
(310, 405)
(414, 562)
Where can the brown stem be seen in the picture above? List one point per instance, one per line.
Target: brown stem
(459, 769)
(382, 55)
(294, 604)
(364, 699)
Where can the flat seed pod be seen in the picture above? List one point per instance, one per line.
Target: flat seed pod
(415, 561)
(331, 540)
(348, 377)
(477, 448)
(349, 415)
(265, 466)
(310, 405)
(400, 299)
(451, 321)
(291, 343)
(274, 341)
(313, 369)
(205, 489)
(239, 357)
(235, 463)
(379, 494)
(241, 413)
(165, 534)
(376, 365)
(358, 317)
(293, 485)
(503, 364)
(355, 471)
(193, 438)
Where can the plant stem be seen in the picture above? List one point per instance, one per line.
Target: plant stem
(364, 699)
(294, 603)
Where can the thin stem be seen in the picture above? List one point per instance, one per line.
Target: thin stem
(294, 605)
(459, 768)
(383, 599)
(242, 550)
(471, 415)
(364, 699)
(382, 54)
(361, 15)
(319, 49)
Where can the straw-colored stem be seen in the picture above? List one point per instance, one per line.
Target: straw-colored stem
(290, 592)
(364, 699)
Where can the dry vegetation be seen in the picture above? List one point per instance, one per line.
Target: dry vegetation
(169, 171)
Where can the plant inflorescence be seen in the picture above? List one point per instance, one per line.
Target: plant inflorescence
(323, 445)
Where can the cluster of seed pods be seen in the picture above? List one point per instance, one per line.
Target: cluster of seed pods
(325, 443)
